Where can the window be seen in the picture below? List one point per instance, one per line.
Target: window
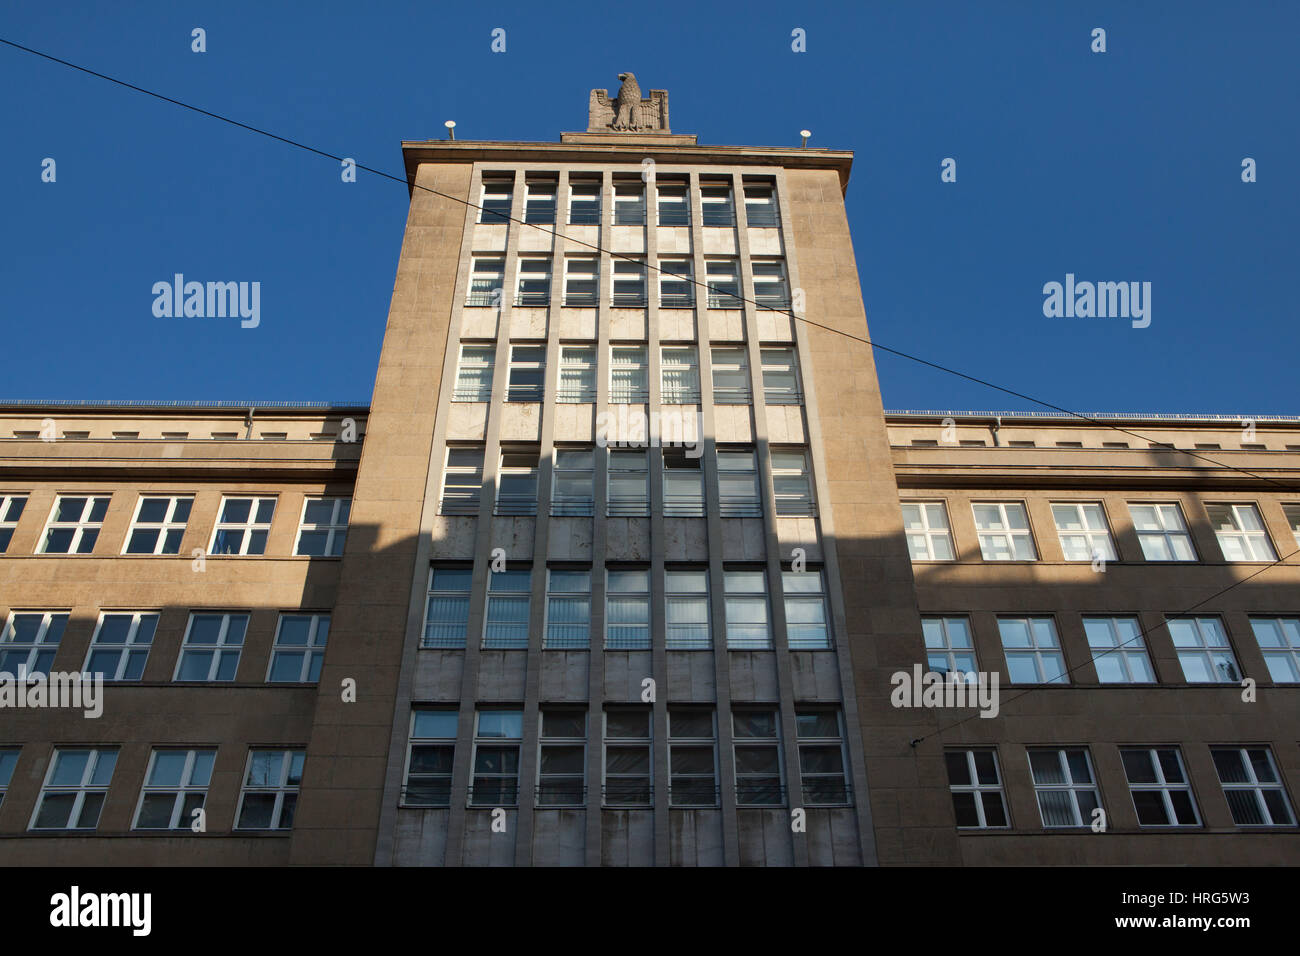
(723, 282)
(760, 205)
(1279, 641)
(748, 627)
(629, 204)
(8, 761)
(120, 646)
(299, 648)
(738, 484)
(270, 793)
(497, 738)
(30, 641)
(1065, 785)
(674, 210)
(175, 786)
(929, 536)
(757, 749)
(1162, 796)
(446, 616)
(580, 281)
(1241, 533)
(211, 648)
(568, 610)
(487, 279)
(686, 600)
(539, 205)
(730, 377)
(1252, 787)
(681, 375)
(769, 284)
(781, 377)
(517, 482)
(1083, 531)
(1292, 513)
(792, 483)
(976, 788)
(822, 767)
(1203, 650)
(11, 509)
(629, 283)
(807, 623)
(562, 758)
(508, 596)
(577, 374)
(496, 200)
(692, 757)
(1118, 651)
(676, 286)
(429, 756)
(629, 375)
(627, 610)
(243, 525)
(683, 484)
(573, 482)
(715, 205)
(462, 480)
(1162, 531)
(533, 283)
(474, 374)
(948, 646)
(159, 526)
(629, 483)
(1004, 531)
(74, 525)
(324, 527)
(527, 373)
(584, 203)
(75, 787)
(628, 757)
(1033, 653)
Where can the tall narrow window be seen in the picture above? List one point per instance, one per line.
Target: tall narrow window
(823, 769)
(487, 280)
(674, 210)
(75, 788)
(730, 376)
(581, 281)
(680, 369)
(929, 536)
(495, 200)
(584, 203)
(1003, 528)
(629, 283)
(770, 287)
(11, 509)
(158, 526)
(506, 624)
(8, 762)
(1118, 651)
(517, 482)
(760, 205)
(562, 758)
(692, 757)
(629, 483)
(807, 616)
(686, 597)
(1279, 642)
(792, 482)
(1083, 531)
(533, 286)
(299, 648)
(627, 610)
(74, 525)
(683, 484)
(29, 642)
(738, 484)
(676, 288)
(430, 754)
(1292, 512)
(1203, 650)
(568, 610)
(462, 480)
(1252, 787)
(577, 374)
(497, 736)
(446, 617)
(120, 645)
(723, 283)
(243, 525)
(539, 205)
(629, 375)
(628, 757)
(757, 749)
(573, 481)
(781, 377)
(474, 374)
(748, 623)
(1162, 796)
(1240, 532)
(629, 204)
(323, 529)
(1162, 531)
(715, 205)
(527, 373)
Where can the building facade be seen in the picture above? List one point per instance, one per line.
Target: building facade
(623, 562)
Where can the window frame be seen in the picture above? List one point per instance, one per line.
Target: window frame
(86, 787)
(163, 528)
(220, 648)
(555, 594)
(1034, 651)
(12, 507)
(282, 790)
(1069, 785)
(1165, 534)
(1248, 540)
(1162, 785)
(1085, 531)
(81, 528)
(1004, 529)
(56, 621)
(447, 594)
(336, 530)
(632, 641)
(978, 789)
(181, 793)
(313, 652)
(474, 380)
(248, 529)
(926, 530)
(125, 651)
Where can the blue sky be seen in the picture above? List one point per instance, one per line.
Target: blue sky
(1119, 166)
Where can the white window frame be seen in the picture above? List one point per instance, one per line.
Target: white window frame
(819, 598)
(1240, 542)
(771, 284)
(495, 189)
(738, 506)
(475, 369)
(722, 280)
(679, 372)
(1121, 649)
(247, 528)
(181, 794)
(541, 192)
(1202, 629)
(792, 487)
(628, 283)
(1167, 534)
(220, 649)
(576, 361)
(761, 209)
(1292, 511)
(520, 361)
(1255, 786)
(435, 594)
(733, 361)
(716, 203)
(922, 532)
(629, 211)
(1068, 785)
(632, 362)
(979, 790)
(337, 527)
(283, 788)
(937, 631)
(518, 463)
(577, 277)
(141, 630)
(781, 361)
(1163, 786)
(584, 191)
(676, 283)
(735, 596)
(487, 281)
(11, 510)
(676, 196)
(678, 467)
(1005, 530)
(1041, 646)
(1286, 650)
(84, 788)
(462, 502)
(55, 622)
(1097, 541)
(80, 528)
(163, 528)
(678, 597)
(639, 635)
(557, 596)
(313, 652)
(533, 281)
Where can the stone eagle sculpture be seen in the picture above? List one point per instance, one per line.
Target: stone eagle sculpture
(628, 112)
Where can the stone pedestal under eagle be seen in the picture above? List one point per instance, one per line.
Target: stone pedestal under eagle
(628, 112)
